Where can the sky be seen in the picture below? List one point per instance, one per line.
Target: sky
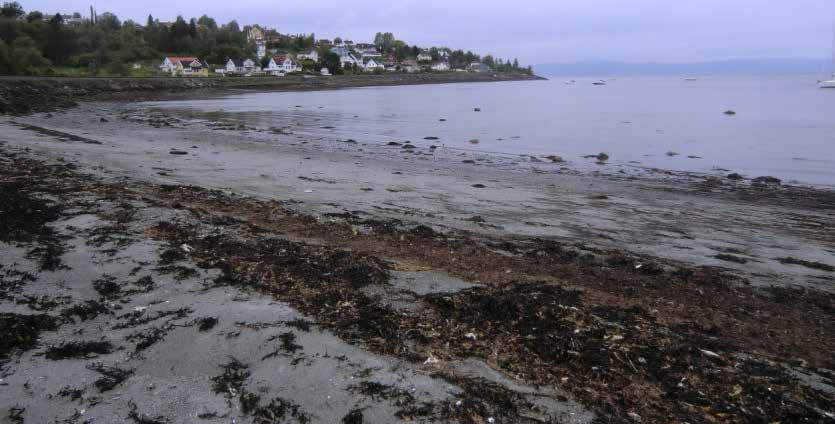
(535, 31)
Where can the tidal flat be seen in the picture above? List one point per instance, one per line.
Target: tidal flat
(165, 267)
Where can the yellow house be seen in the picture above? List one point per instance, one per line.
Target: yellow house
(184, 66)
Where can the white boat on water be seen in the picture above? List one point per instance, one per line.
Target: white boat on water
(827, 84)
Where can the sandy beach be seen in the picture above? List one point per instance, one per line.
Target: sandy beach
(163, 267)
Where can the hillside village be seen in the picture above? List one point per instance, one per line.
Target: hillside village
(327, 57)
(100, 44)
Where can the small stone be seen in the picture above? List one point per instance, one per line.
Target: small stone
(734, 176)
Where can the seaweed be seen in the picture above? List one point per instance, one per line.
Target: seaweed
(16, 414)
(20, 332)
(354, 416)
(147, 338)
(235, 373)
(111, 376)
(300, 324)
(71, 392)
(808, 264)
(78, 349)
(288, 340)
(107, 287)
(278, 411)
(206, 323)
(141, 317)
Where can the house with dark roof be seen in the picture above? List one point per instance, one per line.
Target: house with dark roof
(478, 67)
(184, 66)
(371, 65)
(309, 55)
(240, 66)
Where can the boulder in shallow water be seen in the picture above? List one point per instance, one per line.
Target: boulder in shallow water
(734, 176)
(766, 180)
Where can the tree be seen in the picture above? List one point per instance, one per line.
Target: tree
(180, 29)
(34, 16)
(337, 41)
(331, 61)
(12, 10)
(384, 42)
(58, 41)
(489, 61)
(207, 23)
(6, 62)
(26, 55)
(108, 22)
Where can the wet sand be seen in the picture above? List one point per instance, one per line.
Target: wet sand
(695, 219)
(261, 274)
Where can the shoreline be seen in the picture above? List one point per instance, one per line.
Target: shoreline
(243, 273)
(25, 95)
(612, 206)
(337, 313)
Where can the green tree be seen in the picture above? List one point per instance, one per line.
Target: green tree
(12, 10)
(57, 41)
(27, 56)
(207, 23)
(331, 61)
(108, 22)
(6, 61)
(34, 16)
(384, 42)
(10, 29)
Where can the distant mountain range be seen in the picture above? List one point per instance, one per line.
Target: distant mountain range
(723, 67)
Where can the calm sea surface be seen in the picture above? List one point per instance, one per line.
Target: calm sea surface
(784, 126)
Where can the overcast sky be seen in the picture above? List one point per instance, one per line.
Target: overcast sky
(535, 31)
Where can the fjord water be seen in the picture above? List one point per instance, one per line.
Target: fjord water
(784, 125)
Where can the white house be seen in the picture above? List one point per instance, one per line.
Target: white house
(440, 66)
(171, 63)
(240, 66)
(349, 60)
(281, 65)
(478, 67)
(260, 49)
(370, 65)
(370, 53)
(424, 57)
(311, 55)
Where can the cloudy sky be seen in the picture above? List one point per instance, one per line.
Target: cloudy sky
(535, 31)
